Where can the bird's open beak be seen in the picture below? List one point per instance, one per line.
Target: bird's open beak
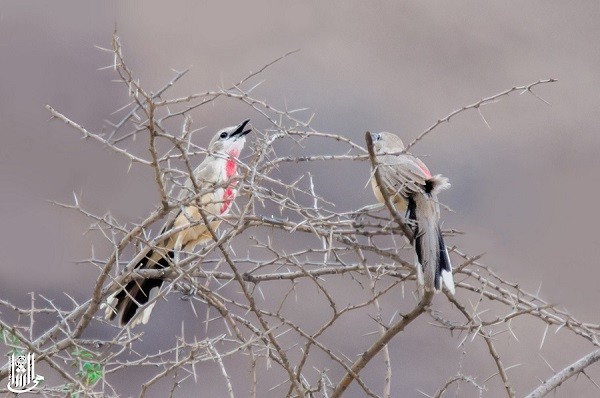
(240, 130)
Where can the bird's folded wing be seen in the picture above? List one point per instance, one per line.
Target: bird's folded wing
(403, 174)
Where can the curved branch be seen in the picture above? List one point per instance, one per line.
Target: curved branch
(479, 104)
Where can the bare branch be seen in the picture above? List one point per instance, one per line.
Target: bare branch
(555, 381)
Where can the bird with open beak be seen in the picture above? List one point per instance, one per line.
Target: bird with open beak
(134, 302)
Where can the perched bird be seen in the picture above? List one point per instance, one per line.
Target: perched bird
(211, 176)
(413, 191)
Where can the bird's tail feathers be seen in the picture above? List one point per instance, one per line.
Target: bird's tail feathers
(126, 302)
(432, 255)
(444, 266)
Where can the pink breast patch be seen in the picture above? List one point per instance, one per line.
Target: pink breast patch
(228, 196)
(229, 192)
(231, 164)
(230, 167)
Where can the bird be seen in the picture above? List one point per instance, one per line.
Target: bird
(211, 177)
(413, 191)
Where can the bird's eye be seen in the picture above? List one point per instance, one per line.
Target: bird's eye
(223, 134)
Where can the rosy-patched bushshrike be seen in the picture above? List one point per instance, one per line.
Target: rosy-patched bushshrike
(413, 191)
(211, 176)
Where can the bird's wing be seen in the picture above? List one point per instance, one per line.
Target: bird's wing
(207, 171)
(403, 174)
(205, 174)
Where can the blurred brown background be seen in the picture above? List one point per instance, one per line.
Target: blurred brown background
(525, 191)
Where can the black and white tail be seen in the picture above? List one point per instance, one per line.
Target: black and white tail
(136, 294)
(434, 267)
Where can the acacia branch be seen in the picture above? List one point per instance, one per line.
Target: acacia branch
(282, 239)
(555, 381)
(477, 105)
(378, 345)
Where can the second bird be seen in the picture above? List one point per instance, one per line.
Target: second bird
(413, 191)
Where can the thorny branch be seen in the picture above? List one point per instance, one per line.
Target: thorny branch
(574, 369)
(270, 282)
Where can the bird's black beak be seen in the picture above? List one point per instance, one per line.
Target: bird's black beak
(240, 129)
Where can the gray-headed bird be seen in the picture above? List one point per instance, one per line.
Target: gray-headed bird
(413, 191)
(211, 176)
